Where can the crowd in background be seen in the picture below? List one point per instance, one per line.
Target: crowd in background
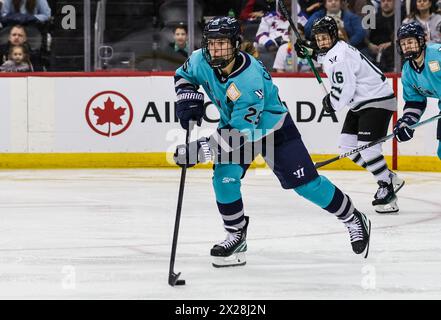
(272, 32)
(22, 25)
(24, 36)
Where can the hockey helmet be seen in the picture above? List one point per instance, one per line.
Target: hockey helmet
(411, 30)
(325, 25)
(222, 28)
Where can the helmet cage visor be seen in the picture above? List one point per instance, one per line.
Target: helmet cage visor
(415, 51)
(218, 50)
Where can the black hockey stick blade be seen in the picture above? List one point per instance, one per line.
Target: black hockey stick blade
(373, 143)
(173, 279)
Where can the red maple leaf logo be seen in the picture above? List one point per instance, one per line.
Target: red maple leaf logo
(109, 114)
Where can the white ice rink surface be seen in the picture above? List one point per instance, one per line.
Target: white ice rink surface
(106, 234)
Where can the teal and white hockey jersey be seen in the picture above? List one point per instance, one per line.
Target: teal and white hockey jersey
(419, 84)
(247, 99)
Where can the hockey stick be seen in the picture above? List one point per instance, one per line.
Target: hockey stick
(173, 278)
(308, 57)
(370, 144)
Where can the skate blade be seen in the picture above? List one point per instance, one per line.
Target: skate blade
(390, 208)
(234, 260)
(398, 186)
(397, 182)
(369, 240)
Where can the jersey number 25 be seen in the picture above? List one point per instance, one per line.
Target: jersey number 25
(252, 113)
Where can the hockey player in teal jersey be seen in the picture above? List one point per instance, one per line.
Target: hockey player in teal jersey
(421, 78)
(253, 120)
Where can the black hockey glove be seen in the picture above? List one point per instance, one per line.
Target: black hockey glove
(193, 153)
(190, 107)
(402, 132)
(303, 48)
(327, 105)
(279, 40)
(274, 43)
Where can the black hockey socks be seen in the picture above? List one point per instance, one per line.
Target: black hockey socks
(341, 205)
(232, 214)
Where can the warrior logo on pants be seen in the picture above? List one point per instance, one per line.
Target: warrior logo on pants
(299, 173)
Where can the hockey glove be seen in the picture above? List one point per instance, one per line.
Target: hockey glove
(279, 41)
(402, 132)
(193, 153)
(190, 107)
(304, 48)
(327, 105)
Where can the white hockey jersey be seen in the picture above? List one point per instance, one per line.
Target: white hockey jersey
(356, 82)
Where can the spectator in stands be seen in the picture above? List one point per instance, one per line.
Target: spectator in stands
(1, 6)
(17, 36)
(349, 24)
(424, 12)
(284, 58)
(18, 60)
(180, 44)
(256, 9)
(380, 41)
(273, 29)
(25, 12)
(251, 15)
(356, 6)
(309, 7)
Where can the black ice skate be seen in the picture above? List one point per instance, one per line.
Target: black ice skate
(359, 227)
(397, 182)
(385, 198)
(231, 251)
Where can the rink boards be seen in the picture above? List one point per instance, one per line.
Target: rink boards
(69, 120)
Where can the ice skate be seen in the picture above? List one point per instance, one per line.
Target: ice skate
(359, 227)
(397, 182)
(232, 251)
(385, 198)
